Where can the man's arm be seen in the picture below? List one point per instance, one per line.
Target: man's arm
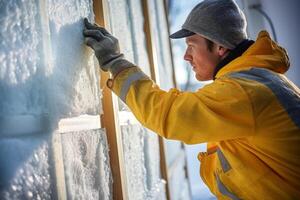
(217, 112)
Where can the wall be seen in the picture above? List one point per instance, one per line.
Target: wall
(51, 143)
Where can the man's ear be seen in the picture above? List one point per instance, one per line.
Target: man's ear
(222, 51)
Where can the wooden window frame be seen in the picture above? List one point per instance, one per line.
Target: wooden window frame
(110, 119)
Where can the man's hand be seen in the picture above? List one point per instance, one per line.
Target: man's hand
(106, 48)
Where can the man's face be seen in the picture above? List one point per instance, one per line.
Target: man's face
(203, 60)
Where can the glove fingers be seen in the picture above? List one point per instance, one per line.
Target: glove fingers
(91, 42)
(88, 25)
(104, 31)
(96, 34)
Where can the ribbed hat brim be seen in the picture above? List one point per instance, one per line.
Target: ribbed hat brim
(181, 34)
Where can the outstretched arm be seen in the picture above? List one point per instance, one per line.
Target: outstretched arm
(217, 112)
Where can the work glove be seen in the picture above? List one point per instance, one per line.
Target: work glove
(106, 48)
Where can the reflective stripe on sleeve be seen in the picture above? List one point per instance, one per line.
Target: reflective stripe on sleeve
(223, 190)
(127, 83)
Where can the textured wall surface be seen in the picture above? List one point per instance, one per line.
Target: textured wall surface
(128, 25)
(140, 146)
(25, 168)
(47, 75)
(86, 165)
(161, 40)
(43, 69)
(72, 74)
(141, 153)
(21, 59)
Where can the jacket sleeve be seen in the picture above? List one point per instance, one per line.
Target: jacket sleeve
(219, 111)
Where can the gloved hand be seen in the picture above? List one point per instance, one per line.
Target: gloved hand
(106, 48)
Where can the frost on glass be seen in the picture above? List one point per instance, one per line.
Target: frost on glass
(45, 67)
(22, 72)
(121, 26)
(86, 164)
(173, 148)
(161, 38)
(24, 169)
(185, 193)
(133, 145)
(178, 183)
(136, 18)
(141, 157)
(128, 26)
(74, 84)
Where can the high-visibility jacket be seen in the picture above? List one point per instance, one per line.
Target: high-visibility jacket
(249, 115)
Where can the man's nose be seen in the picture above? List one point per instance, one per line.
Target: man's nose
(187, 56)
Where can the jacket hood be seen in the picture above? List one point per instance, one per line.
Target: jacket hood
(264, 53)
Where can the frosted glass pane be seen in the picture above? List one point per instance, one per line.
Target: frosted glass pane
(178, 182)
(45, 67)
(128, 26)
(141, 154)
(24, 169)
(133, 145)
(74, 84)
(22, 72)
(152, 158)
(121, 26)
(185, 192)
(86, 164)
(161, 39)
(173, 148)
(139, 39)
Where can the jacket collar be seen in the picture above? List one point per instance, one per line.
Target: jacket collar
(233, 54)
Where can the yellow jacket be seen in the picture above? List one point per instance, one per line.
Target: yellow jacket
(250, 117)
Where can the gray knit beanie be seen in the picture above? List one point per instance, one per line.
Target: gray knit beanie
(220, 21)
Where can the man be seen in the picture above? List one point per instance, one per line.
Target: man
(249, 114)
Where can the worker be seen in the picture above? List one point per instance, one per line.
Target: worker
(249, 114)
